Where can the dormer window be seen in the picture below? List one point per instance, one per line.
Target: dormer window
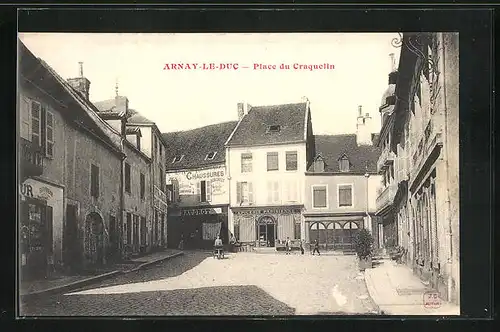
(211, 155)
(274, 129)
(319, 165)
(177, 159)
(344, 164)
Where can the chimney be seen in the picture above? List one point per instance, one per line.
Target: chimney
(121, 104)
(393, 75)
(243, 109)
(81, 83)
(363, 130)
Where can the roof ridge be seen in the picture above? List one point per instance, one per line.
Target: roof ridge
(197, 128)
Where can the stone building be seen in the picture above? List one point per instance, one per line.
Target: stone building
(423, 137)
(198, 186)
(144, 206)
(70, 194)
(267, 156)
(341, 186)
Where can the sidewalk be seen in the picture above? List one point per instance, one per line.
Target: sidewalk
(63, 283)
(397, 291)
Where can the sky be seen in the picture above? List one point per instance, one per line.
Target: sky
(186, 99)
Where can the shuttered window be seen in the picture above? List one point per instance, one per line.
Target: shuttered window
(319, 197)
(246, 163)
(94, 181)
(143, 185)
(247, 230)
(286, 227)
(25, 116)
(244, 193)
(272, 161)
(204, 191)
(127, 177)
(36, 123)
(345, 195)
(291, 160)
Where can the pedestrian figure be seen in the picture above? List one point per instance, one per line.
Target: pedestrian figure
(316, 247)
(301, 248)
(288, 246)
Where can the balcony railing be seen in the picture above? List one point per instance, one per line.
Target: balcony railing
(385, 158)
(160, 199)
(31, 159)
(385, 196)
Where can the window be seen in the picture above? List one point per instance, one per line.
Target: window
(155, 146)
(138, 142)
(273, 192)
(345, 195)
(272, 161)
(292, 191)
(177, 159)
(127, 178)
(319, 197)
(344, 164)
(40, 120)
(162, 181)
(143, 185)
(94, 181)
(274, 129)
(210, 156)
(319, 165)
(128, 228)
(205, 191)
(244, 193)
(144, 231)
(246, 162)
(291, 161)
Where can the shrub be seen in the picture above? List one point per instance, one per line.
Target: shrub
(363, 244)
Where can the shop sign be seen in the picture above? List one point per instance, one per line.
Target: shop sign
(218, 187)
(198, 212)
(269, 211)
(205, 175)
(42, 192)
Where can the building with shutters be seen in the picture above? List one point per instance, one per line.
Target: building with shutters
(70, 190)
(267, 156)
(198, 187)
(341, 186)
(144, 207)
(422, 143)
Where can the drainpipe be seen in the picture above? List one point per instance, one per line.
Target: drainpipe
(448, 203)
(122, 201)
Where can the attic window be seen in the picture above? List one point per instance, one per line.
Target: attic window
(177, 159)
(344, 164)
(274, 129)
(211, 155)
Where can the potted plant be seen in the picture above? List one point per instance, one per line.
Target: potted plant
(363, 245)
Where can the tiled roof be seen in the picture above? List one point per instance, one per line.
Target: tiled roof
(136, 117)
(36, 69)
(195, 144)
(254, 127)
(106, 105)
(332, 147)
(132, 130)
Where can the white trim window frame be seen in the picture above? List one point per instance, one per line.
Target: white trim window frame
(338, 195)
(319, 186)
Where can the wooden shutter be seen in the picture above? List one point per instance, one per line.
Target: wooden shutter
(276, 192)
(238, 193)
(208, 190)
(36, 122)
(247, 230)
(49, 133)
(269, 192)
(198, 190)
(49, 229)
(25, 116)
(250, 193)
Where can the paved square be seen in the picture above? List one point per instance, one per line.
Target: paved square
(241, 284)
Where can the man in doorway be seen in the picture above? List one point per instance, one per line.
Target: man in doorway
(316, 247)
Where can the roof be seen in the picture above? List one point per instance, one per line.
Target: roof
(136, 117)
(332, 147)
(106, 105)
(195, 144)
(253, 129)
(85, 114)
(132, 130)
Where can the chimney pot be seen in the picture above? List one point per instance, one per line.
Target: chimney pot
(360, 110)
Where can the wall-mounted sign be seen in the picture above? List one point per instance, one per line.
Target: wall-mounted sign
(40, 192)
(187, 182)
(218, 187)
(205, 175)
(268, 211)
(197, 212)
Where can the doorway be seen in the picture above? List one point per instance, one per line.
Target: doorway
(70, 242)
(266, 235)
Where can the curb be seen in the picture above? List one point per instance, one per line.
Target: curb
(91, 280)
(371, 292)
(156, 261)
(68, 287)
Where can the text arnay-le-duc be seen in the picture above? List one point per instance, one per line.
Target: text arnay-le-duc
(255, 66)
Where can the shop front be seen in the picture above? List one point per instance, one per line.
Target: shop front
(40, 223)
(333, 231)
(266, 227)
(197, 227)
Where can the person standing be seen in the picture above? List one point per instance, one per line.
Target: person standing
(288, 246)
(301, 248)
(316, 247)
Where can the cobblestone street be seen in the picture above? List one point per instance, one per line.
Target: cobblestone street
(241, 284)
